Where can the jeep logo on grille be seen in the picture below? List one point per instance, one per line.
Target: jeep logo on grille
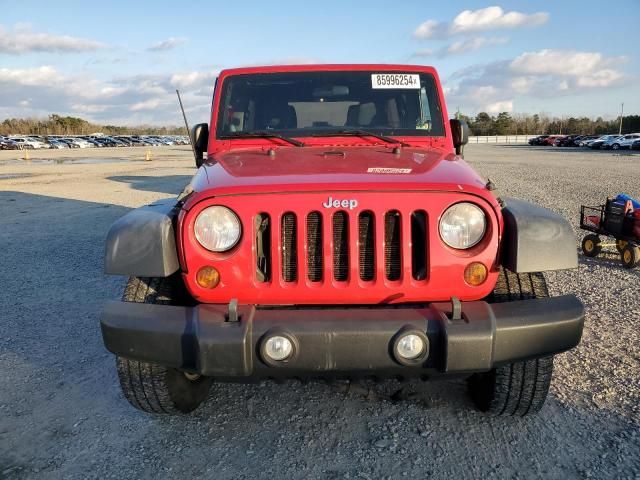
(336, 203)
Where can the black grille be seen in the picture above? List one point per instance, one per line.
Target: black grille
(340, 246)
(314, 246)
(419, 245)
(289, 247)
(263, 247)
(366, 242)
(392, 246)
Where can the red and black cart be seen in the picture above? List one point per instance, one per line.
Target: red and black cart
(617, 221)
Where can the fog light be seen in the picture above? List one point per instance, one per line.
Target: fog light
(277, 348)
(410, 346)
(475, 274)
(208, 277)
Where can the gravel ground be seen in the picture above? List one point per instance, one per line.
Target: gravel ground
(62, 414)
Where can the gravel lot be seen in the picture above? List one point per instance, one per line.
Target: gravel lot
(62, 414)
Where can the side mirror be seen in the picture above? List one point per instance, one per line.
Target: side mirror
(199, 142)
(460, 134)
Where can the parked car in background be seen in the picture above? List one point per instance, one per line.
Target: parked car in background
(625, 141)
(8, 144)
(568, 141)
(635, 145)
(600, 142)
(550, 140)
(585, 140)
(55, 143)
(151, 141)
(71, 142)
(537, 140)
(138, 142)
(91, 141)
(125, 140)
(607, 145)
(28, 143)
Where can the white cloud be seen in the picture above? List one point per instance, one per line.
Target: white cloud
(586, 69)
(498, 107)
(83, 108)
(493, 18)
(473, 44)
(132, 100)
(30, 76)
(150, 104)
(23, 40)
(168, 44)
(193, 79)
(460, 47)
(430, 29)
(543, 74)
(484, 19)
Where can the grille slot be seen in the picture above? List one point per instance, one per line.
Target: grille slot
(314, 247)
(392, 245)
(263, 247)
(366, 246)
(288, 236)
(340, 246)
(419, 245)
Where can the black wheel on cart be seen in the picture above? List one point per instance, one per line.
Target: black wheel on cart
(591, 245)
(620, 244)
(630, 256)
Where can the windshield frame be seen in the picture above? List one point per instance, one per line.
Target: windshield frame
(439, 112)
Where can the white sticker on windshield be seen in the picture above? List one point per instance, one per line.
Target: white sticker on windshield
(395, 80)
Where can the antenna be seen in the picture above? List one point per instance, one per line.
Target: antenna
(186, 124)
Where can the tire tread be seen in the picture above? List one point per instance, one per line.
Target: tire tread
(520, 388)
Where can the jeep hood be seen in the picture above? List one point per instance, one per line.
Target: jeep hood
(287, 169)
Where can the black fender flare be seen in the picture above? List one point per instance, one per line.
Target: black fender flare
(143, 243)
(536, 239)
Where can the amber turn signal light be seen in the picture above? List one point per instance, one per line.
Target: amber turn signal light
(208, 277)
(475, 274)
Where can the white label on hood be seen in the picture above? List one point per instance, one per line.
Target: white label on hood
(388, 170)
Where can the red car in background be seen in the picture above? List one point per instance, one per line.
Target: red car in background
(551, 140)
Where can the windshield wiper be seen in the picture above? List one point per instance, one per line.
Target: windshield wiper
(360, 133)
(261, 134)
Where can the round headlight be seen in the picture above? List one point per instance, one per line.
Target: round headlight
(463, 225)
(217, 229)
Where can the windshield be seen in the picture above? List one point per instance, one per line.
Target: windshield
(298, 104)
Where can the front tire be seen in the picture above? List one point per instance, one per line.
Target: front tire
(154, 388)
(520, 388)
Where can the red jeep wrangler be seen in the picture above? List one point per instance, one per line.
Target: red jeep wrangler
(334, 231)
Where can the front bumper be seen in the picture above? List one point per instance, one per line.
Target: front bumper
(341, 341)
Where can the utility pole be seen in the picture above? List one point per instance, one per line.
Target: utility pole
(621, 112)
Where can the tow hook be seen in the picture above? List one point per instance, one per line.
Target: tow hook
(456, 309)
(232, 315)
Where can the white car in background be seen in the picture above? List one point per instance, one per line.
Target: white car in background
(28, 143)
(77, 142)
(622, 142)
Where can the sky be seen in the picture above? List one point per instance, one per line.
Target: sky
(119, 62)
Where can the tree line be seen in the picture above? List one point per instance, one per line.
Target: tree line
(65, 125)
(540, 124)
(482, 124)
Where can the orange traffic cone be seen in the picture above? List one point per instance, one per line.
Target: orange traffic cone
(147, 157)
